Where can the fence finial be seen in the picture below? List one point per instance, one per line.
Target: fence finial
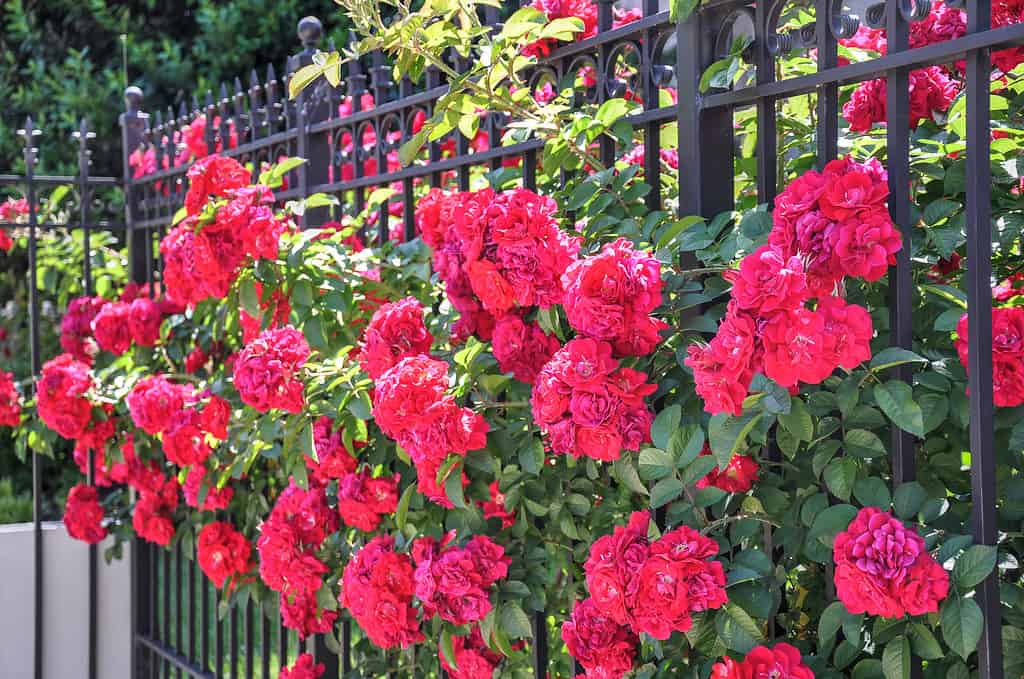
(132, 98)
(310, 31)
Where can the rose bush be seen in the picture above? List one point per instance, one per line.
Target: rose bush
(534, 416)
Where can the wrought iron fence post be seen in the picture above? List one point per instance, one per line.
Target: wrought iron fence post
(312, 106)
(134, 125)
(83, 135)
(30, 133)
(705, 134)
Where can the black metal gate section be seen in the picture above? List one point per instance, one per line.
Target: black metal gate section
(176, 627)
(91, 217)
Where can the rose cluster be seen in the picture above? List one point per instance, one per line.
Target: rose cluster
(333, 459)
(83, 515)
(222, 552)
(94, 323)
(883, 568)
(289, 538)
(377, 589)
(496, 253)
(454, 582)
(305, 667)
(62, 396)
(473, 659)
(152, 517)
(363, 499)
(590, 406)
(522, 347)
(825, 226)
(410, 405)
(781, 661)
(1007, 354)
(266, 370)
(395, 332)
(205, 252)
(641, 587)
(610, 297)
(10, 405)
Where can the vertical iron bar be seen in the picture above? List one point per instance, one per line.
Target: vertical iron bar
(346, 647)
(828, 94)
(83, 135)
(179, 623)
(165, 632)
(249, 638)
(233, 641)
(218, 641)
(900, 282)
(540, 645)
(767, 135)
(705, 135)
(37, 488)
(154, 600)
(264, 644)
(204, 624)
(192, 627)
(652, 100)
(605, 75)
(979, 335)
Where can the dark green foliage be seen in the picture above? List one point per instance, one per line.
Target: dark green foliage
(61, 60)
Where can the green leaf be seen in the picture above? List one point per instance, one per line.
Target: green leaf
(453, 485)
(698, 469)
(737, 629)
(1013, 651)
(726, 433)
(402, 512)
(179, 215)
(830, 522)
(665, 491)
(962, 624)
(531, 457)
(893, 356)
(301, 78)
(655, 464)
(665, 424)
(611, 110)
(248, 298)
(513, 621)
(830, 621)
(626, 474)
(935, 409)
(974, 565)
(896, 659)
(680, 10)
(840, 475)
(924, 643)
(447, 649)
(872, 492)
(686, 444)
(896, 400)
(306, 443)
(1017, 437)
(798, 422)
(863, 443)
(908, 498)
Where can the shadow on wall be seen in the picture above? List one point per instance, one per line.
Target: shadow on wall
(66, 606)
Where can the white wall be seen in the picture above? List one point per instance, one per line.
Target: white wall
(65, 606)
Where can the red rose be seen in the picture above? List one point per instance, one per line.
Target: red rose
(111, 328)
(154, 401)
(61, 396)
(880, 564)
(83, 515)
(223, 552)
(737, 477)
(490, 286)
(851, 330)
(144, 319)
(767, 281)
(597, 642)
(781, 661)
(865, 244)
(305, 667)
(395, 332)
(10, 406)
(266, 372)
(797, 348)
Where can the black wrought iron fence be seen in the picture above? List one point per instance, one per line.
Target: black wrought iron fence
(177, 629)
